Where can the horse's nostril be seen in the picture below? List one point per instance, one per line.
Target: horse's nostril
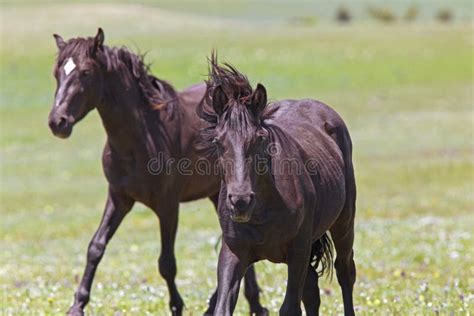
(62, 121)
(240, 200)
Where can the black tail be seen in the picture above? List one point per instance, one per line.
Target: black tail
(322, 252)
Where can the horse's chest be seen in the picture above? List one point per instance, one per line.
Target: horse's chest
(275, 243)
(275, 250)
(268, 241)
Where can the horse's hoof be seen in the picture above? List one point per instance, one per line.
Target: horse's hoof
(75, 311)
(175, 311)
(260, 312)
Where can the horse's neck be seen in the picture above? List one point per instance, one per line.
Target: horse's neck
(129, 124)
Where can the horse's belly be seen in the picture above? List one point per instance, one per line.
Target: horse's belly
(140, 189)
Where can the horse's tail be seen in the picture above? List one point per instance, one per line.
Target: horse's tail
(322, 253)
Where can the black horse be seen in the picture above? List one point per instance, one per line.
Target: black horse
(145, 118)
(287, 179)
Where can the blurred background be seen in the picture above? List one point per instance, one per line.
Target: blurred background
(399, 72)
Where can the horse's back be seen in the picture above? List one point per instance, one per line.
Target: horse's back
(192, 95)
(306, 112)
(310, 124)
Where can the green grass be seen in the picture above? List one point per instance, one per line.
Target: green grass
(405, 91)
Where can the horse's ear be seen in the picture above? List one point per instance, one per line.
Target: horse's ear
(60, 43)
(219, 100)
(259, 99)
(99, 40)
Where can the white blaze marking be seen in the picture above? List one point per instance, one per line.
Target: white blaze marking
(70, 65)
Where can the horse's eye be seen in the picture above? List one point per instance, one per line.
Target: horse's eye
(85, 73)
(261, 139)
(262, 136)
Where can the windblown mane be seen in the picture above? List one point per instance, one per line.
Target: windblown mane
(238, 90)
(235, 85)
(131, 67)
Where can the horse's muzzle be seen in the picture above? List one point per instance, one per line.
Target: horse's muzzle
(241, 206)
(60, 125)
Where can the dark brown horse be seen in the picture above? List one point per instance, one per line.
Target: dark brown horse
(287, 179)
(145, 118)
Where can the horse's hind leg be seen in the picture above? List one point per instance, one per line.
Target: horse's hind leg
(167, 262)
(252, 293)
(311, 298)
(342, 232)
(343, 237)
(117, 206)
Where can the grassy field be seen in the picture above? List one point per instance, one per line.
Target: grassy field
(405, 91)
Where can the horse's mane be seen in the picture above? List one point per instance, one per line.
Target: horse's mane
(131, 67)
(239, 92)
(235, 84)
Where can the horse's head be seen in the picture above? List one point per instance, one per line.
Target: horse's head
(79, 82)
(239, 137)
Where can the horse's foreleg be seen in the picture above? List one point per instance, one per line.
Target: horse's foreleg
(252, 294)
(252, 290)
(167, 261)
(230, 270)
(117, 206)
